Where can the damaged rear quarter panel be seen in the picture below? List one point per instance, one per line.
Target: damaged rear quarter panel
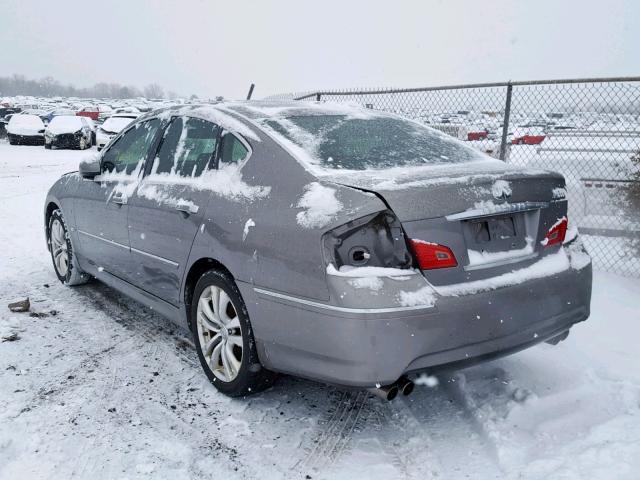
(277, 253)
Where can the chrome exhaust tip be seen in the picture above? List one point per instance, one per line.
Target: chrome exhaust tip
(405, 385)
(387, 392)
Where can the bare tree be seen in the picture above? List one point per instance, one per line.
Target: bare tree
(153, 90)
(50, 87)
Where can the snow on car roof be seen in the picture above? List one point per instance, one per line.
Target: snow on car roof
(26, 119)
(265, 109)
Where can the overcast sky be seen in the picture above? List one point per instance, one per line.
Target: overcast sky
(218, 48)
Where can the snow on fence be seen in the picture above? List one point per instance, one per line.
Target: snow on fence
(587, 129)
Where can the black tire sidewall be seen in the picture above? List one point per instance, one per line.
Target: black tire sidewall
(247, 380)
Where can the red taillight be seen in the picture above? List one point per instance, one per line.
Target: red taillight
(556, 233)
(432, 255)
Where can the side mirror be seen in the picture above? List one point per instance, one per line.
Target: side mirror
(90, 168)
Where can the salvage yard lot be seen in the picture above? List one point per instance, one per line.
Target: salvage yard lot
(96, 386)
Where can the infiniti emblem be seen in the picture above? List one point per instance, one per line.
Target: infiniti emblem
(501, 190)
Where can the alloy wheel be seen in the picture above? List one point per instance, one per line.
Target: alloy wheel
(59, 248)
(219, 333)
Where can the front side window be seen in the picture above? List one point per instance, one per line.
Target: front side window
(233, 150)
(128, 153)
(187, 148)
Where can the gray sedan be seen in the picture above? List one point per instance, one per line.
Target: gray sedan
(326, 241)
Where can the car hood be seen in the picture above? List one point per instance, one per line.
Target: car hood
(61, 131)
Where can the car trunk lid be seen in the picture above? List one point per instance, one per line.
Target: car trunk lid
(492, 216)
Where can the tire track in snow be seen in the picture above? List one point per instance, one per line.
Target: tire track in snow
(330, 443)
(145, 328)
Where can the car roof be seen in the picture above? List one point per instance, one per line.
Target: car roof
(262, 109)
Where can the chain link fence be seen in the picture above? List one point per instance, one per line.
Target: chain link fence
(587, 129)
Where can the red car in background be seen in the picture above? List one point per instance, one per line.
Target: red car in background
(477, 135)
(528, 136)
(89, 112)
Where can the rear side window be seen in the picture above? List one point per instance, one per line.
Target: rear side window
(233, 150)
(188, 147)
(130, 150)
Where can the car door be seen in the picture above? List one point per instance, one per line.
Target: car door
(166, 210)
(101, 204)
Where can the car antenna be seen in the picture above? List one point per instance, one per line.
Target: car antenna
(250, 91)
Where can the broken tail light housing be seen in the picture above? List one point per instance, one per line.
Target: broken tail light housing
(557, 233)
(432, 255)
(376, 240)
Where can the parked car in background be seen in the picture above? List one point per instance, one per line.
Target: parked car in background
(5, 116)
(127, 110)
(112, 126)
(90, 112)
(57, 112)
(25, 129)
(369, 260)
(94, 129)
(8, 110)
(68, 131)
(105, 111)
(477, 134)
(528, 136)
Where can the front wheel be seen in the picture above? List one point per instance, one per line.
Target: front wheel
(65, 263)
(224, 338)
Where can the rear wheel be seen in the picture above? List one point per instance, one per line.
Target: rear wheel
(65, 263)
(224, 338)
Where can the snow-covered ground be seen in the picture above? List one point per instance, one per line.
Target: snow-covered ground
(96, 386)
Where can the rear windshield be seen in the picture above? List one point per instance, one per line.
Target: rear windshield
(375, 142)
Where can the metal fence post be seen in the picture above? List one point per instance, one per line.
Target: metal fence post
(505, 124)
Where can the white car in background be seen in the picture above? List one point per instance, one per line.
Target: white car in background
(105, 112)
(112, 126)
(25, 129)
(68, 131)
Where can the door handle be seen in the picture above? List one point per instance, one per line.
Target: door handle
(188, 208)
(119, 198)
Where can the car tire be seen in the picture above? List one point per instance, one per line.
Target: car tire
(47, 146)
(235, 371)
(63, 256)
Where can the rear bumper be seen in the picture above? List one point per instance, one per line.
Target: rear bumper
(367, 346)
